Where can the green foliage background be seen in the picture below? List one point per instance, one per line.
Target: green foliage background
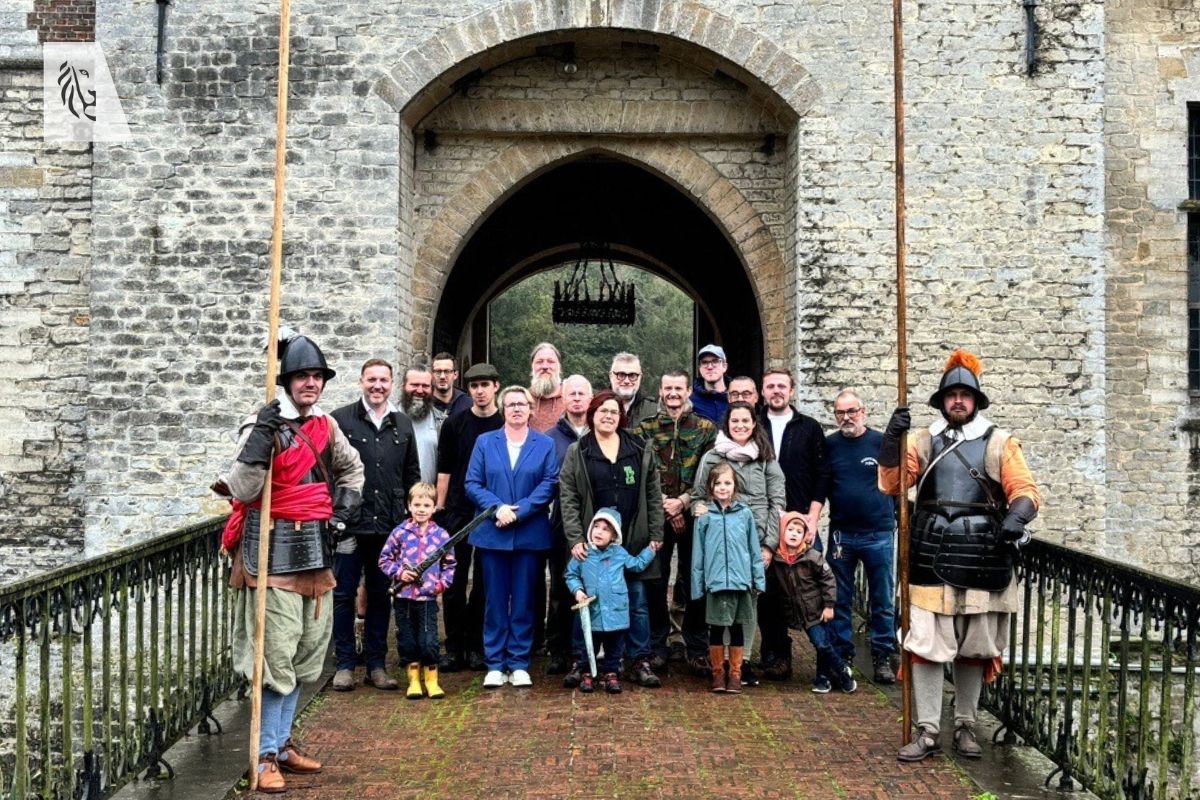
(661, 334)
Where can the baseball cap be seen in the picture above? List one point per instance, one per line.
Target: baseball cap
(711, 349)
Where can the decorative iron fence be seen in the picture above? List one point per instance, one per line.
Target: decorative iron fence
(1101, 674)
(112, 660)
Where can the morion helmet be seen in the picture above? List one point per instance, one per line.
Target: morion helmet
(962, 370)
(300, 353)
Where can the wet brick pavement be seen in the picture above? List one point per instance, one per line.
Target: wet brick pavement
(777, 740)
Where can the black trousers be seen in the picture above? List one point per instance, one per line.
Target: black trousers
(695, 631)
(559, 616)
(463, 609)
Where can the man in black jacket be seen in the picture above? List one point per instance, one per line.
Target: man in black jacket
(386, 443)
(803, 456)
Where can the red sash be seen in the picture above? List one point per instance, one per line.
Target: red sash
(290, 499)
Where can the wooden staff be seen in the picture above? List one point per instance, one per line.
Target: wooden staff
(264, 529)
(901, 366)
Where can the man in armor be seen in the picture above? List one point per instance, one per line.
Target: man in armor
(316, 485)
(974, 497)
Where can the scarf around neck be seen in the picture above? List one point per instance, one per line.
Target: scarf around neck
(732, 451)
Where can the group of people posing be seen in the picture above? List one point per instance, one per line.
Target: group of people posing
(601, 487)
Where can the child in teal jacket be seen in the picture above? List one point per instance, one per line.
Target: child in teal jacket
(601, 576)
(726, 570)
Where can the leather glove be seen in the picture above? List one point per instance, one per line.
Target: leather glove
(345, 508)
(1020, 514)
(889, 448)
(261, 442)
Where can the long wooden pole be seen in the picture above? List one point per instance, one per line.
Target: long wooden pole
(264, 531)
(901, 364)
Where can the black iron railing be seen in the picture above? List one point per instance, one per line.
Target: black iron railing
(1101, 674)
(107, 662)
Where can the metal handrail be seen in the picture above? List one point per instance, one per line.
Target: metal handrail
(113, 658)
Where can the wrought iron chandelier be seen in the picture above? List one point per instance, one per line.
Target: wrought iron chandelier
(614, 302)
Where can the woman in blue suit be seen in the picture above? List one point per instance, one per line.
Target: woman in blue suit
(516, 469)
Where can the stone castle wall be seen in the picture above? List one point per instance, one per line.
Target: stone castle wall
(1006, 211)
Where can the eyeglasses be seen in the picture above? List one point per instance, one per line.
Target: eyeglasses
(746, 395)
(607, 412)
(849, 412)
(444, 371)
(627, 377)
(710, 362)
(518, 404)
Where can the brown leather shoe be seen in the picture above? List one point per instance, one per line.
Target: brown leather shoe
(965, 743)
(298, 763)
(380, 679)
(270, 781)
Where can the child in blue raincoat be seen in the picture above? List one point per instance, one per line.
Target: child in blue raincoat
(602, 576)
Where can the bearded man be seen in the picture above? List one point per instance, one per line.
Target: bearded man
(974, 497)
(416, 403)
(316, 485)
(625, 378)
(545, 384)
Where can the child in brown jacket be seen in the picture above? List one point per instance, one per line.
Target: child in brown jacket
(807, 589)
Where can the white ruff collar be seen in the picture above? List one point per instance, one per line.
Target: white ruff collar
(288, 410)
(974, 429)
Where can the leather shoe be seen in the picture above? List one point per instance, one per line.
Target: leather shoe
(343, 680)
(573, 678)
(475, 662)
(644, 676)
(270, 780)
(380, 679)
(923, 745)
(965, 743)
(450, 663)
(556, 664)
(298, 763)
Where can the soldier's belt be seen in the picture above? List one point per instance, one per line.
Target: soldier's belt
(294, 546)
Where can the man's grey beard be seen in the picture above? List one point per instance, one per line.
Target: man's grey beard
(626, 394)
(544, 385)
(415, 408)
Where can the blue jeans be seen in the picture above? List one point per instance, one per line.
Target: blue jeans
(637, 640)
(347, 569)
(278, 713)
(829, 663)
(417, 631)
(875, 552)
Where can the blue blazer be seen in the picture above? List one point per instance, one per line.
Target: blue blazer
(531, 487)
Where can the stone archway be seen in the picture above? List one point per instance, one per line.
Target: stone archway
(725, 206)
(429, 71)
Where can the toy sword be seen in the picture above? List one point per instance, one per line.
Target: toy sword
(424, 564)
(585, 622)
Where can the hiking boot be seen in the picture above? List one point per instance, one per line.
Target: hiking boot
(343, 681)
(965, 743)
(644, 676)
(884, 672)
(380, 679)
(717, 657)
(270, 780)
(574, 677)
(587, 684)
(699, 665)
(821, 684)
(777, 669)
(450, 663)
(291, 759)
(429, 676)
(923, 745)
(556, 664)
(612, 683)
(846, 680)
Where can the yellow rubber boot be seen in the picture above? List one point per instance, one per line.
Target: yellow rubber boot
(431, 685)
(414, 682)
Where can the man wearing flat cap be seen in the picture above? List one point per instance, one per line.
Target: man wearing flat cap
(974, 497)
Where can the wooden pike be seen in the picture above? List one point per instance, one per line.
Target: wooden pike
(264, 531)
(901, 364)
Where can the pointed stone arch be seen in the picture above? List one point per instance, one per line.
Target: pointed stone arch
(440, 243)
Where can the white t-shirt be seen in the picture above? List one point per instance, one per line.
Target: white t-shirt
(778, 423)
(514, 452)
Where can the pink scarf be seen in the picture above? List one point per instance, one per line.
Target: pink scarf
(732, 451)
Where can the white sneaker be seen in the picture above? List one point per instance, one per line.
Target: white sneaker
(494, 679)
(520, 678)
